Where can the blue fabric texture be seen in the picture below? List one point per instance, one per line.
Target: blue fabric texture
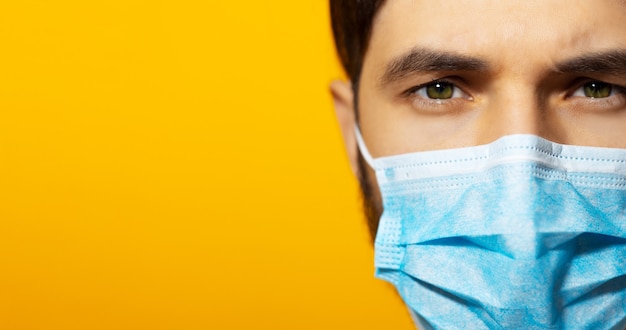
(522, 233)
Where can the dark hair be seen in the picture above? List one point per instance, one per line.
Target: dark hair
(352, 26)
(352, 22)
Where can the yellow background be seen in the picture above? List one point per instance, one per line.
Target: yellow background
(177, 165)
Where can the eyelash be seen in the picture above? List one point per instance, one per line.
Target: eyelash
(615, 89)
(423, 101)
(413, 91)
(615, 100)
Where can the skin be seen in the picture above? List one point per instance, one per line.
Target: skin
(520, 88)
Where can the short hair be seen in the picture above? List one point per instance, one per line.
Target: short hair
(352, 22)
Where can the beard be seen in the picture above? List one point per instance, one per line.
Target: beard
(372, 203)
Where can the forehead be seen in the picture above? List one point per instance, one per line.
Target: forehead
(500, 31)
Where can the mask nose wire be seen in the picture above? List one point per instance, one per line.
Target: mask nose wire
(362, 147)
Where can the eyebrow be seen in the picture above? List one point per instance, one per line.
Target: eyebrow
(610, 62)
(423, 59)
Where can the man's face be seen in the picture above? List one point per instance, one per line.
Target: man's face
(552, 68)
(441, 74)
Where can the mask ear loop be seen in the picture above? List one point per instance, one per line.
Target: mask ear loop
(362, 147)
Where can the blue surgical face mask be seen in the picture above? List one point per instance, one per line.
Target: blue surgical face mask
(522, 233)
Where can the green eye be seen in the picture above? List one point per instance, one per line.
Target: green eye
(597, 89)
(440, 90)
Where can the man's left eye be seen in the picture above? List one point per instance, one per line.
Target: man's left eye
(594, 90)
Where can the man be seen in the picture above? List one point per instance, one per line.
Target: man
(492, 135)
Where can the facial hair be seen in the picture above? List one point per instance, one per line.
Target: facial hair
(372, 205)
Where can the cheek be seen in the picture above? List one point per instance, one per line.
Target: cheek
(589, 129)
(392, 129)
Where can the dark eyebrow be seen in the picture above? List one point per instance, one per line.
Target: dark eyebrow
(610, 62)
(423, 59)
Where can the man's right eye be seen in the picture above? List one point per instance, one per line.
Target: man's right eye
(438, 90)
